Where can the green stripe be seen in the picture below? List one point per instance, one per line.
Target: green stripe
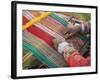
(39, 55)
(59, 19)
(82, 36)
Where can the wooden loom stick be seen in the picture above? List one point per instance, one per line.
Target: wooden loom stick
(27, 25)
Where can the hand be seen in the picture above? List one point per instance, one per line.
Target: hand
(56, 43)
(71, 30)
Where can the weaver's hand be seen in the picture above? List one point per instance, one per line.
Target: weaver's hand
(71, 30)
(56, 43)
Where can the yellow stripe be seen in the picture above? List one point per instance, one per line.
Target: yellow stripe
(33, 21)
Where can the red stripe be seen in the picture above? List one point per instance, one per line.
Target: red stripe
(39, 33)
(24, 20)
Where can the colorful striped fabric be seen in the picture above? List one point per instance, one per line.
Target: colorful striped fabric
(61, 20)
(37, 38)
(43, 47)
(40, 33)
(30, 61)
(44, 28)
(36, 31)
(28, 16)
(51, 26)
(39, 55)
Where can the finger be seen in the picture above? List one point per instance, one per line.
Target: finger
(55, 43)
(67, 36)
(70, 35)
(65, 31)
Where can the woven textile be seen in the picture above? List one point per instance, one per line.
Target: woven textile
(38, 37)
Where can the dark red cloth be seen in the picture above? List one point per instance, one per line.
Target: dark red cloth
(39, 33)
(75, 60)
